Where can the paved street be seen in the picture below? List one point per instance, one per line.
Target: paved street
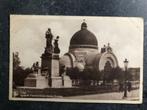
(133, 95)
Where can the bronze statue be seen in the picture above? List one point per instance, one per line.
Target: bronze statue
(49, 37)
(56, 48)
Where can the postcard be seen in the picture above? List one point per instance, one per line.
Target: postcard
(88, 59)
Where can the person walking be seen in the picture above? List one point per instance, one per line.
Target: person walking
(120, 87)
(129, 85)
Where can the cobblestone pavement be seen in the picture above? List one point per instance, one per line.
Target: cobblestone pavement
(133, 95)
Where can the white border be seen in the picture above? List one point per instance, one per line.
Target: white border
(73, 100)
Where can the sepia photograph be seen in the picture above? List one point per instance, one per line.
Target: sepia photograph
(84, 59)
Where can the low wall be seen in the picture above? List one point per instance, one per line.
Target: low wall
(74, 91)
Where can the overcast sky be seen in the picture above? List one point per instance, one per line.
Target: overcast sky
(125, 35)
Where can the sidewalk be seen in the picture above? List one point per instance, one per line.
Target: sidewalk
(133, 95)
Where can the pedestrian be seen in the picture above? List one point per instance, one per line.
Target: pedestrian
(129, 85)
(120, 87)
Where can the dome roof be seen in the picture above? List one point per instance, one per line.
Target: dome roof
(83, 38)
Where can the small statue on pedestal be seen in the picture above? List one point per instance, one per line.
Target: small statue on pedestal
(35, 67)
(56, 47)
(109, 49)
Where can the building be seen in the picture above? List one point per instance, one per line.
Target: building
(83, 53)
(134, 73)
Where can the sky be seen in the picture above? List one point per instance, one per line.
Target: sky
(125, 35)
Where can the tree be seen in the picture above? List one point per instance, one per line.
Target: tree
(19, 73)
(116, 73)
(16, 61)
(111, 74)
(107, 72)
(74, 73)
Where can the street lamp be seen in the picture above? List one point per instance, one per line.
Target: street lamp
(126, 67)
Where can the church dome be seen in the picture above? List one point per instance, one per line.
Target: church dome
(83, 39)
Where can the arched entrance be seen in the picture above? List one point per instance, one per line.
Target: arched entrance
(107, 72)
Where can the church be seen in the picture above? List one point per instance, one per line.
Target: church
(83, 54)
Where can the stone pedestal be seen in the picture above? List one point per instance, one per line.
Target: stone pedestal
(41, 82)
(46, 62)
(55, 67)
(56, 82)
(36, 80)
(67, 82)
(30, 82)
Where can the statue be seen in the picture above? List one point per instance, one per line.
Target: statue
(49, 37)
(103, 49)
(56, 48)
(109, 49)
(35, 67)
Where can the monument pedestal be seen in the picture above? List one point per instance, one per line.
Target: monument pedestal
(56, 82)
(36, 80)
(41, 82)
(30, 81)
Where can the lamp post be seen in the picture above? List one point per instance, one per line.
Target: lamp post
(125, 78)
